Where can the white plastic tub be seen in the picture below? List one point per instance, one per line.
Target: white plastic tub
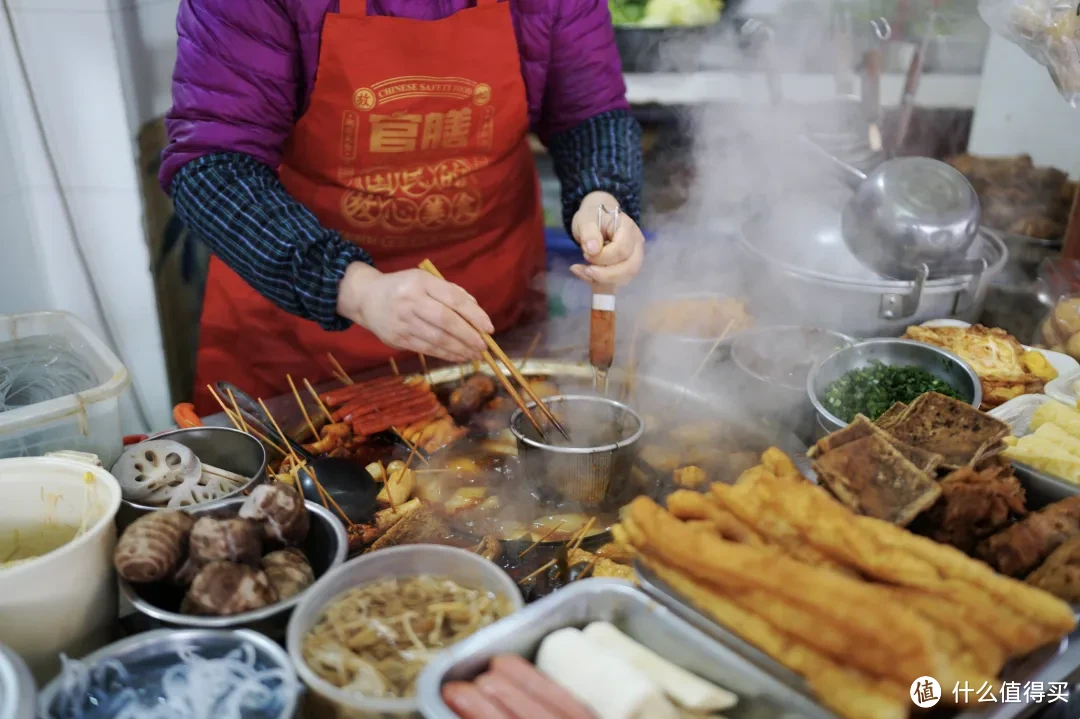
(87, 421)
(65, 600)
(460, 565)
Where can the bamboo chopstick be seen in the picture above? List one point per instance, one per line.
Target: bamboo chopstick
(494, 349)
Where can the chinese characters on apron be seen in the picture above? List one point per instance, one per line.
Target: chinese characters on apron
(413, 145)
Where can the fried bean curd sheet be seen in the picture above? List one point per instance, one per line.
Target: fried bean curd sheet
(957, 431)
(924, 460)
(856, 605)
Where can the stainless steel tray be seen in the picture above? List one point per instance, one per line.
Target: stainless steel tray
(1050, 664)
(760, 695)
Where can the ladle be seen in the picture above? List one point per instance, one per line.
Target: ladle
(347, 482)
(907, 213)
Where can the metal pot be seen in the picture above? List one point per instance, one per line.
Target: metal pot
(804, 274)
(325, 548)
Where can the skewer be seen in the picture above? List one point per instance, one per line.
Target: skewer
(541, 570)
(339, 372)
(250, 430)
(236, 408)
(576, 544)
(495, 350)
(318, 401)
(393, 366)
(588, 568)
(410, 458)
(284, 439)
(529, 352)
(423, 366)
(303, 409)
(537, 543)
(509, 387)
(700, 367)
(327, 500)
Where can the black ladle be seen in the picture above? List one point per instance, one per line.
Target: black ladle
(346, 481)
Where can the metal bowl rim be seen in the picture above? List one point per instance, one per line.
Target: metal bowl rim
(20, 699)
(345, 699)
(191, 634)
(213, 503)
(237, 620)
(976, 400)
(580, 450)
(848, 339)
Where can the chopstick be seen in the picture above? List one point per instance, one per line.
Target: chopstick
(495, 350)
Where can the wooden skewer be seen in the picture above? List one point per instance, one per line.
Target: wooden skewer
(284, 439)
(318, 401)
(224, 408)
(588, 568)
(303, 409)
(423, 366)
(541, 570)
(393, 366)
(410, 458)
(581, 535)
(538, 542)
(494, 349)
(339, 372)
(327, 500)
(250, 430)
(529, 352)
(509, 387)
(236, 408)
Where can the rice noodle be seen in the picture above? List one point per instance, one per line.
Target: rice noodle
(230, 687)
(375, 640)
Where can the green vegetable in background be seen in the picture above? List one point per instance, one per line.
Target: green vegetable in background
(873, 390)
(665, 13)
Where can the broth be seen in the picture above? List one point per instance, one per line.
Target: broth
(19, 544)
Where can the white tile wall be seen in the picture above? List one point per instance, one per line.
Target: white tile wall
(91, 110)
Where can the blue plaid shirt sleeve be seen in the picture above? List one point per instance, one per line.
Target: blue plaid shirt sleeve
(239, 208)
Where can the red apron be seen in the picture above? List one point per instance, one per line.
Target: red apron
(413, 145)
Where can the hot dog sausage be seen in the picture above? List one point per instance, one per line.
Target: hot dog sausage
(469, 703)
(512, 699)
(523, 674)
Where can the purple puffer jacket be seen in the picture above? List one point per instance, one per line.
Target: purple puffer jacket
(245, 68)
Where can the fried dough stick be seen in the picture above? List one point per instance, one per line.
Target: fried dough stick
(688, 505)
(852, 608)
(966, 644)
(848, 692)
(1019, 617)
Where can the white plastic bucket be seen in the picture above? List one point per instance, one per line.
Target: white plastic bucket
(65, 600)
(460, 565)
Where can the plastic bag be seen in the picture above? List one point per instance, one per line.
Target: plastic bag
(1060, 329)
(1047, 30)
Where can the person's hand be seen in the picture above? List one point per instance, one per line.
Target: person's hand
(616, 262)
(412, 310)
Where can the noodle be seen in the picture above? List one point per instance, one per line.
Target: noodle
(375, 640)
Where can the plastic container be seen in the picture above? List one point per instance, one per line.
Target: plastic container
(18, 692)
(88, 421)
(471, 570)
(65, 600)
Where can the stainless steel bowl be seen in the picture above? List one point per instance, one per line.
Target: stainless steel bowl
(150, 648)
(582, 474)
(222, 447)
(893, 352)
(325, 547)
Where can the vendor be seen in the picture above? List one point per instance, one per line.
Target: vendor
(323, 148)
